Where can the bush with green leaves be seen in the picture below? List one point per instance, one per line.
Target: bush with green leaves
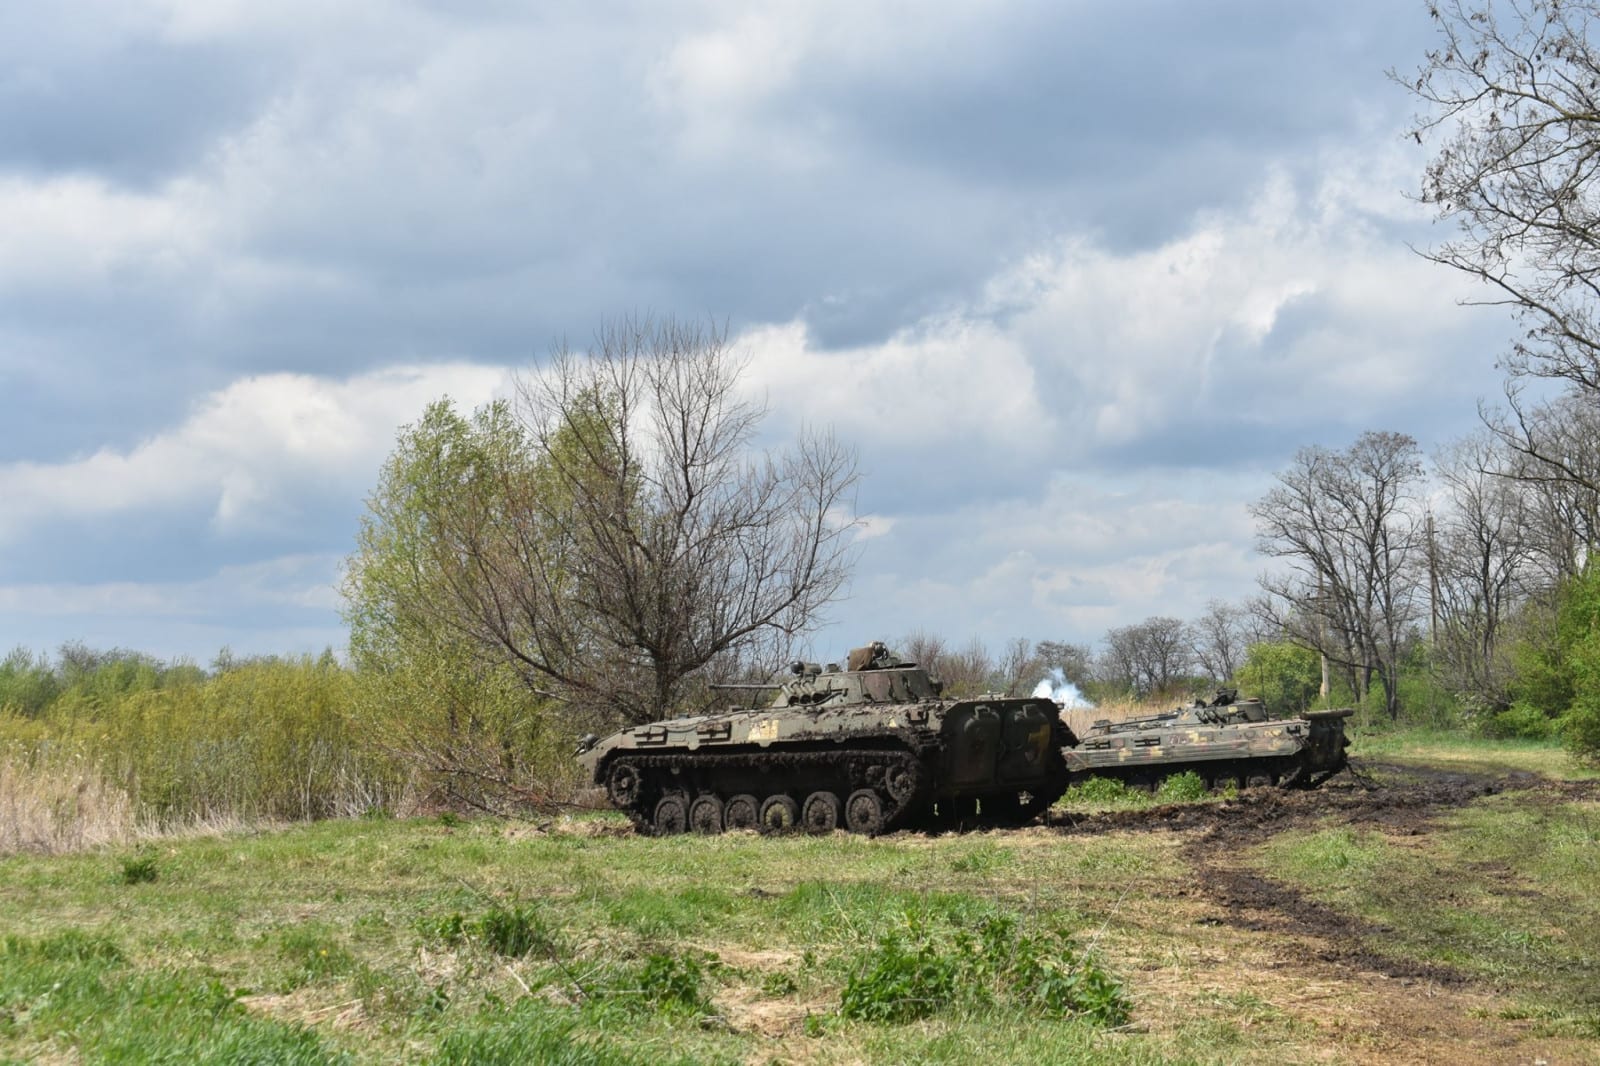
(1186, 787)
(139, 869)
(1285, 676)
(672, 983)
(266, 738)
(923, 969)
(1108, 791)
(1558, 666)
(1521, 721)
(512, 930)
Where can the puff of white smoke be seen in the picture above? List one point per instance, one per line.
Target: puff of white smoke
(1058, 688)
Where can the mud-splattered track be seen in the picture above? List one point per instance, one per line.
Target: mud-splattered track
(1409, 800)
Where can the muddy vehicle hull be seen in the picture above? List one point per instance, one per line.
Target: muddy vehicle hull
(866, 749)
(1224, 743)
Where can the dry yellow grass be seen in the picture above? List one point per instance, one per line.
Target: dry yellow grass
(57, 808)
(1080, 719)
(71, 805)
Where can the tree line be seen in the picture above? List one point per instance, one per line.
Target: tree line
(601, 546)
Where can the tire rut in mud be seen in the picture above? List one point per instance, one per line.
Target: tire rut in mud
(1408, 802)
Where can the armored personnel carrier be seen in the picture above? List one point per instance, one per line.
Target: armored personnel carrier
(1226, 740)
(869, 747)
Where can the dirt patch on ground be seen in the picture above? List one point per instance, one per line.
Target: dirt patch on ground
(1395, 800)
(1408, 800)
(1390, 1009)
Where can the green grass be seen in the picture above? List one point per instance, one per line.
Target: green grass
(432, 939)
(451, 940)
(1505, 890)
(1469, 754)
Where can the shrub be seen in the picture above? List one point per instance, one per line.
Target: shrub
(1182, 788)
(139, 869)
(1097, 790)
(1520, 720)
(1580, 725)
(917, 973)
(513, 931)
(673, 984)
(1286, 676)
(901, 982)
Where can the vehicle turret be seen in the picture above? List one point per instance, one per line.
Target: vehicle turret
(869, 747)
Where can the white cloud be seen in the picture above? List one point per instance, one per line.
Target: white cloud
(942, 381)
(282, 605)
(1077, 348)
(80, 230)
(245, 451)
(293, 581)
(872, 526)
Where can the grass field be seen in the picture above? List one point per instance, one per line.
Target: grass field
(1448, 913)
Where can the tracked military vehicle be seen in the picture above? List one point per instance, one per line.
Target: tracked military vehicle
(1226, 741)
(870, 747)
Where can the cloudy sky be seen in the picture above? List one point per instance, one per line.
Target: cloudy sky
(1076, 278)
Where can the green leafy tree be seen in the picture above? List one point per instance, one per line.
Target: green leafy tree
(461, 718)
(1284, 675)
(27, 683)
(1557, 664)
(587, 555)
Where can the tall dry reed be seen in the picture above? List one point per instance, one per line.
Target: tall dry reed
(64, 807)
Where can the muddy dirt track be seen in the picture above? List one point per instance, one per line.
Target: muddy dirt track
(1407, 802)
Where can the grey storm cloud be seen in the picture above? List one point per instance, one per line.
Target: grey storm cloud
(1148, 243)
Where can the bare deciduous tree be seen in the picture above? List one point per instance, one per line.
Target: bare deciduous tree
(1512, 101)
(1349, 527)
(646, 539)
(1218, 639)
(1075, 661)
(1562, 504)
(967, 671)
(1018, 668)
(1146, 658)
(1512, 96)
(1481, 561)
(925, 649)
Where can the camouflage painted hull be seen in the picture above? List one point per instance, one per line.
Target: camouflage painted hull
(865, 773)
(875, 747)
(1222, 747)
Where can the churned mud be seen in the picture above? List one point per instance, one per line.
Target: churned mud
(1396, 1009)
(1408, 799)
(1407, 802)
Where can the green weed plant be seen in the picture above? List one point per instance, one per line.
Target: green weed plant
(921, 971)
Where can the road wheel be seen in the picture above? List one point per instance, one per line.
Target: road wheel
(672, 815)
(741, 812)
(821, 813)
(622, 785)
(779, 814)
(900, 781)
(705, 814)
(863, 812)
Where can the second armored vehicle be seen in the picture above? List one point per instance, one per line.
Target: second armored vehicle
(1226, 740)
(875, 746)
(870, 747)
